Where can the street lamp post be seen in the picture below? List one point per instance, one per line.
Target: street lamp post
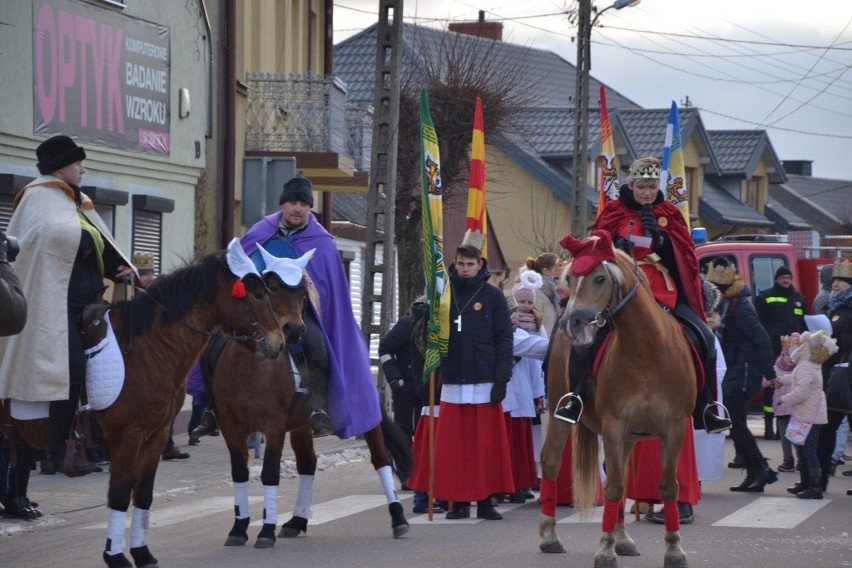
(585, 23)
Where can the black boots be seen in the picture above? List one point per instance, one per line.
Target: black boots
(485, 510)
(320, 423)
(459, 511)
(802, 484)
(207, 426)
(714, 423)
(814, 490)
(758, 475)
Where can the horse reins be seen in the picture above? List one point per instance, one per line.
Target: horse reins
(256, 336)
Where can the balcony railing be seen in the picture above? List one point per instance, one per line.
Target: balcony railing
(306, 113)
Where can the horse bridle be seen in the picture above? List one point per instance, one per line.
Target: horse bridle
(604, 316)
(256, 336)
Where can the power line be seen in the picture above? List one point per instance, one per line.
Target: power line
(793, 130)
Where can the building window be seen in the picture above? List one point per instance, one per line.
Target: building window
(752, 187)
(148, 226)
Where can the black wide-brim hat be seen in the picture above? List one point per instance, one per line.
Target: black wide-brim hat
(57, 152)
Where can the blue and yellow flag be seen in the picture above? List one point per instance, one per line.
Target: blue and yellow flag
(437, 290)
(673, 173)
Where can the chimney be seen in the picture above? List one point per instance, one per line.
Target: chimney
(798, 167)
(479, 28)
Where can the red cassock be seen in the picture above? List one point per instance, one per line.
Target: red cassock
(645, 469)
(519, 431)
(472, 459)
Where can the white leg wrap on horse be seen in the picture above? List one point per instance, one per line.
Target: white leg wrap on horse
(115, 532)
(304, 497)
(386, 475)
(270, 504)
(241, 504)
(139, 523)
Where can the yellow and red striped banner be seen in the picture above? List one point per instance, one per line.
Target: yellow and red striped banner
(607, 161)
(477, 218)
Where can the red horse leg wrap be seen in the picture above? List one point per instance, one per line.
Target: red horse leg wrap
(671, 516)
(621, 506)
(548, 497)
(610, 515)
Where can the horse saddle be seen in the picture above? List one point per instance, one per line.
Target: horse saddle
(93, 324)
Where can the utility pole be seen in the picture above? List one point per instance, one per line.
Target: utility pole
(585, 23)
(381, 197)
(580, 203)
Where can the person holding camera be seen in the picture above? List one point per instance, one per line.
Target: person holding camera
(13, 304)
(13, 317)
(66, 253)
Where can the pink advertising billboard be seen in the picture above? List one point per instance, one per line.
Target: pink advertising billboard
(101, 77)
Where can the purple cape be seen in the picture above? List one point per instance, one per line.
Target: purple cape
(353, 400)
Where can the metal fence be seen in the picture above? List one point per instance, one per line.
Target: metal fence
(306, 113)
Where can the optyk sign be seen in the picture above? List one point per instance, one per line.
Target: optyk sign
(100, 76)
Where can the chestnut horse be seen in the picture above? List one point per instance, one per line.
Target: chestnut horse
(161, 332)
(260, 395)
(643, 387)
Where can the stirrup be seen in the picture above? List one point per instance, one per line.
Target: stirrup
(725, 420)
(571, 397)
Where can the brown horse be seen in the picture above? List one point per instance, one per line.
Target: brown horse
(643, 387)
(254, 394)
(161, 333)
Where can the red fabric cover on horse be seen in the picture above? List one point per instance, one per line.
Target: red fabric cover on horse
(590, 252)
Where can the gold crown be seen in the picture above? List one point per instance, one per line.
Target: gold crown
(721, 274)
(644, 171)
(473, 238)
(143, 261)
(842, 269)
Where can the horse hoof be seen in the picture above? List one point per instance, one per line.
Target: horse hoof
(236, 540)
(400, 531)
(626, 549)
(553, 547)
(264, 542)
(143, 558)
(117, 560)
(293, 527)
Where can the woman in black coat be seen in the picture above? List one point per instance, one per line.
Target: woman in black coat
(839, 310)
(749, 357)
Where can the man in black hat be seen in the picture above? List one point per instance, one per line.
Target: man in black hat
(781, 310)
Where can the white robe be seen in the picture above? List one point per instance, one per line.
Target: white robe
(34, 363)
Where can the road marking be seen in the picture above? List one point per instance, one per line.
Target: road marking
(442, 520)
(773, 513)
(181, 512)
(337, 509)
(322, 512)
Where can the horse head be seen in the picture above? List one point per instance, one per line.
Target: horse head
(252, 292)
(286, 282)
(597, 280)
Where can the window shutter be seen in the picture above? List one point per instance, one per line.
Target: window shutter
(147, 234)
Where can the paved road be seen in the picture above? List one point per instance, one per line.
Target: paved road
(192, 514)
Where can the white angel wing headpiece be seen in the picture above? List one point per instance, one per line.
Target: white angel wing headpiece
(238, 261)
(288, 270)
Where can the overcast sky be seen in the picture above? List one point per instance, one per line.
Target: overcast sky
(784, 66)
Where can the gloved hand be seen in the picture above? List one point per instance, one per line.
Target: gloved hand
(498, 392)
(623, 244)
(396, 385)
(649, 222)
(524, 321)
